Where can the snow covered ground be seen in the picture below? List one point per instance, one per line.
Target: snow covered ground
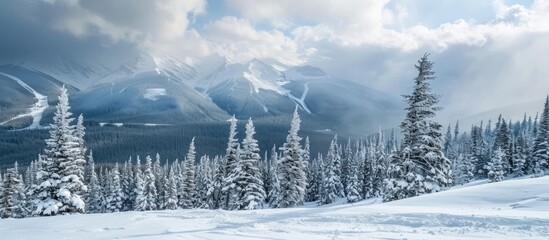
(513, 209)
(36, 110)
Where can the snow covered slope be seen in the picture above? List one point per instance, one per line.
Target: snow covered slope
(513, 209)
(36, 110)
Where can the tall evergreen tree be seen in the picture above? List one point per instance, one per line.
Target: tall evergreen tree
(61, 171)
(93, 199)
(329, 186)
(188, 191)
(248, 178)
(128, 186)
(146, 198)
(116, 197)
(171, 203)
(215, 193)
(202, 183)
(353, 193)
(422, 134)
(231, 162)
(540, 149)
(292, 177)
(79, 134)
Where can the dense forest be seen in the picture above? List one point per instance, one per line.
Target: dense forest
(244, 174)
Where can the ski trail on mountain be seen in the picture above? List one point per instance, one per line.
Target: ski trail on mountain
(36, 110)
(301, 101)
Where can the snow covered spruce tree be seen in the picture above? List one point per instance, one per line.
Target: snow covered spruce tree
(496, 169)
(128, 186)
(422, 135)
(328, 185)
(201, 183)
(215, 193)
(353, 193)
(314, 177)
(116, 197)
(61, 168)
(248, 178)
(540, 150)
(273, 195)
(13, 201)
(291, 173)
(188, 190)
(171, 202)
(230, 163)
(146, 189)
(93, 197)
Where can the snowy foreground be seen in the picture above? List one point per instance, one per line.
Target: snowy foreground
(513, 209)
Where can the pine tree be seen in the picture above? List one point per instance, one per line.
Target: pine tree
(503, 141)
(313, 177)
(13, 201)
(171, 202)
(367, 189)
(540, 149)
(292, 177)
(334, 157)
(146, 198)
(248, 178)
(188, 191)
(61, 171)
(380, 166)
(202, 183)
(448, 141)
(353, 193)
(272, 195)
(79, 133)
(215, 193)
(519, 150)
(115, 198)
(329, 185)
(128, 186)
(307, 162)
(93, 199)
(422, 134)
(231, 162)
(89, 170)
(496, 170)
(158, 183)
(105, 183)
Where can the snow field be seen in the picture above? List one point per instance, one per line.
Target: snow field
(512, 209)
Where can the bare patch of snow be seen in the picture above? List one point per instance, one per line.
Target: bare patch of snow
(154, 93)
(260, 78)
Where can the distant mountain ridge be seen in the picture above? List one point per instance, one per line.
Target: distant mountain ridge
(165, 90)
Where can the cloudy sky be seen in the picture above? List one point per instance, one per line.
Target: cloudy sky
(487, 53)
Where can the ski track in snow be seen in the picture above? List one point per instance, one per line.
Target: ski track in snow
(36, 110)
(301, 101)
(512, 209)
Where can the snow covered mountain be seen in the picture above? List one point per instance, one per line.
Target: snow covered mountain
(163, 89)
(512, 209)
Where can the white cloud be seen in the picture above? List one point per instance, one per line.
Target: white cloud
(375, 42)
(160, 26)
(238, 40)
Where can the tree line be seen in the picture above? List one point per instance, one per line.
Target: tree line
(65, 180)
